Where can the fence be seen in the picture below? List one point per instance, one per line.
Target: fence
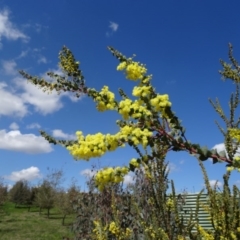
(188, 205)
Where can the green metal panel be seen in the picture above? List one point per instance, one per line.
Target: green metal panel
(189, 205)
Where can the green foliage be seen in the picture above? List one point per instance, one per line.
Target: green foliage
(91, 206)
(141, 205)
(20, 194)
(224, 208)
(45, 196)
(145, 210)
(46, 192)
(65, 201)
(73, 81)
(3, 192)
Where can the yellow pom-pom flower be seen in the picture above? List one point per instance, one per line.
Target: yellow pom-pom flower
(234, 133)
(134, 162)
(105, 100)
(110, 175)
(121, 66)
(134, 70)
(93, 145)
(141, 91)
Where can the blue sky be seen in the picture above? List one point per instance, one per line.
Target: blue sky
(181, 43)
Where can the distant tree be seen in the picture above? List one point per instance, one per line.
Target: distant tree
(45, 196)
(32, 199)
(46, 193)
(3, 192)
(20, 193)
(55, 177)
(66, 200)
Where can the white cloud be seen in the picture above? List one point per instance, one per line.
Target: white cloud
(23, 54)
(33, 125)
(113, 26)
(38, 49)
(88, 172)
(57, 71)
(28, 174)
(17, 97)
(128, 179)
(14, 126)
(38, 27)
(237, 182)
(43, 103)
(10, 103)
(42, 59)
(214, 182)
(171, 82)
(9, 67)
(8, 30)
(26, 143)
(181, 161)
(72, 97)
(58, 133)
(221, 147)
(171, 167)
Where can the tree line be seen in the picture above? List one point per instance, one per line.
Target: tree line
(46, 195)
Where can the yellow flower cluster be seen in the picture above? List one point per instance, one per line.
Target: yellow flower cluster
(160, 102)
(204, 234)
(135, 134)
(163, 235)
(114, 229)
(110, 175)
(146, 79)
(234, 133)
(141, 91)
(180, 237)
(105, 100)
(128, 108)
(134, 70)
(93, 145)
(121, 66)
(97, 231)
(151, 232)
(135, 163)
(67, 62)
(100, 233)
(150, 201)
(220, 225)
(170, 204)
(147, 171)
(233, 236)
(156, 234)
(98, 144)
(236, 164)
(124, 108)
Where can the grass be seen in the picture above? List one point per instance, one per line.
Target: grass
(19, 224)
